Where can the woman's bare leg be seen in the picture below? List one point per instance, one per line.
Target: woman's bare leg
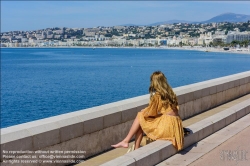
(133, 130)
(138, 137)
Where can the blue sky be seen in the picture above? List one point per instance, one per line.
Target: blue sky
(32, 15)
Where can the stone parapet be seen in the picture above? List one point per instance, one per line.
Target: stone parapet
(95, 129)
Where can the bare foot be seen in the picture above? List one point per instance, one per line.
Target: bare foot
(121, 145)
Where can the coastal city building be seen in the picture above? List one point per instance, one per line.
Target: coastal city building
(238, 36)
(171, 35)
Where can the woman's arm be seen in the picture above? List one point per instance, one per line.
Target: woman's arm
(174, 111)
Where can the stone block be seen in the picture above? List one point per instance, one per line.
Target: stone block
(14, 133)
(112, 119)
(225, 86)
(147, 155)
(71, 131)
(205, 92)
(241, 90)
(189, 97)
(205, 103)
(197, 94)
(219, 88)
(182, 111)
(191, 138)
(220, 98)
(219, 121)
(70, 127)
(248, 87)
(167, 151)
(231, 84)
(206, 130)
(213, 100)
(248, 109)
(17, 145)
(114, 108)
(212, 90)
(129, 114)
(93, 125)
(45, 133)
(236, 92)
(110, 136)
(245, 86)
(242, 81)
(165, 148)
(189, 109)
(197, 106)
(200, 125)
(240, 113)
(227, 95)
(236, 83)
(224, 99)
(230, 118)
(46, 139)
(89, 143)
(181, 99)
(231, 94)
(96, 112)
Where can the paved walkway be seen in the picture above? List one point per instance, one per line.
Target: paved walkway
(233, 152)
(229, 146)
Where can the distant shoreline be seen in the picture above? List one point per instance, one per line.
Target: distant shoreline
(244, 51)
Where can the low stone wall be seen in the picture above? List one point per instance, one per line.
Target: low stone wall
(93, 130)
(160, 150)
(199, 97)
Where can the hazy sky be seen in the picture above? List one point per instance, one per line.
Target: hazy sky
(31, 15)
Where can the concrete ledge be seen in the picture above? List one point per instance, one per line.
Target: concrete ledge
(194, 152)
(159, 150)
(62, 131)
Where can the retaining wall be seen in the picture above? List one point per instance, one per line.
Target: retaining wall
(93, 130)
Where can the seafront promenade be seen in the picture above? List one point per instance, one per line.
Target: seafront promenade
(203, 49)
(215, 111)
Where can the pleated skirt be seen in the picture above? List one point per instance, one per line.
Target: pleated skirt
(164, 127)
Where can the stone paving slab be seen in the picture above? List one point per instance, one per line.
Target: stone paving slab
(104, 157)
(214, 149)
(238, 145)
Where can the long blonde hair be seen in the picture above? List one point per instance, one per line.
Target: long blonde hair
(159, 83)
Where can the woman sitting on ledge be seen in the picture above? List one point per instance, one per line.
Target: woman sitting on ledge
(160, 120)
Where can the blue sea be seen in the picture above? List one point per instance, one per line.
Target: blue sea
(43, 82)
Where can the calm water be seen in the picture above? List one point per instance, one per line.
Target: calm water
(39, 83)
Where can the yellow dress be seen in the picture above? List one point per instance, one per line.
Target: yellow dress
(156, 124)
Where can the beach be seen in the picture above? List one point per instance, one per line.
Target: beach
(204, 49)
